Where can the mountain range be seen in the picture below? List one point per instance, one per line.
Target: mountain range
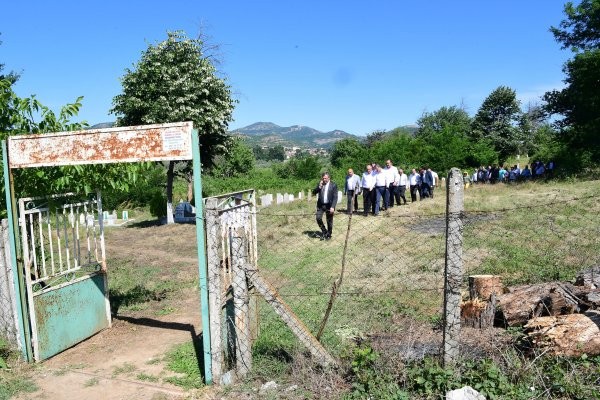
(270, 134)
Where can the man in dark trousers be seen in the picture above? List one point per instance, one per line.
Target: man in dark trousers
(326, 201)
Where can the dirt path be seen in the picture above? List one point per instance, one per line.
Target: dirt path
(123, 362)
(127, 360)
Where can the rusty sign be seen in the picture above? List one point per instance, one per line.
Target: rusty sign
(102, 146)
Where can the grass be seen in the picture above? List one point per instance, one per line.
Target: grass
(526, 233)
(183, 360)
(124, 369)
(392, 288)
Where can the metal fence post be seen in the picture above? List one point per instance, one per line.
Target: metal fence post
(453, 265)
(214, 286)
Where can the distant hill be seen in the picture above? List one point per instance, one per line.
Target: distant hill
(270, 134)
(102, 125)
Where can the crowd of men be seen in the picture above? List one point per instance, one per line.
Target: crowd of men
(496, 174)
(383, 187)
(380, 188)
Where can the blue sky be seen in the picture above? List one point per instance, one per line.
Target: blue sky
(358, 66)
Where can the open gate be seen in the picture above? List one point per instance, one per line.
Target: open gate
(82, 284)
(64, 266)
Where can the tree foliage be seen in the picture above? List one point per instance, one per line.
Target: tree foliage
(578, 103)
(238, 160)
(174, 81)
(496, 121)
(580, 31)
(446, 118)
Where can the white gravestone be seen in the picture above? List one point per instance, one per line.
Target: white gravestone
(279, 198)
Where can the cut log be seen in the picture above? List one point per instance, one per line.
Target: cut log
(566, 335)
(522, 303)
(477, 313)
(482, 286)
(589, 277)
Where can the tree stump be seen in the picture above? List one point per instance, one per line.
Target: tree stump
(477, 313)
(480, 310)
(482, 286)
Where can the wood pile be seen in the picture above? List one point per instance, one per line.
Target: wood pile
(558, 316)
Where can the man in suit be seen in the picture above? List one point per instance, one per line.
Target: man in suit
(327, 197)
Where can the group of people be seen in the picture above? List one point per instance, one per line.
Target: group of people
(380, 187)
(495, 174)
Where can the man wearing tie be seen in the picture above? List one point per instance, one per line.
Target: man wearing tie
(326, 201)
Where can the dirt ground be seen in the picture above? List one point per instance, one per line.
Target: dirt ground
(126, 361)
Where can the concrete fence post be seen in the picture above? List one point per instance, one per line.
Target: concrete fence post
(453, 265)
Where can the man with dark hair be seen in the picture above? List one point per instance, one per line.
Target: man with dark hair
(327, 198)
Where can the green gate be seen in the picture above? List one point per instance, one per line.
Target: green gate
(51, 313)
(64, 271)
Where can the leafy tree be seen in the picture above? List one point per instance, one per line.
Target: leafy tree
(399, 146)
(175, 81)
(348, 153)
(239, 160)
(374, 137)
(496, 121)
(581, 30)
(276, 153)
(305, 168)
(452, 118)
(578, 103)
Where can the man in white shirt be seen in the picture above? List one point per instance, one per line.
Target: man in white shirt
(352, 190)
(368, 190)
(436, 181)
(392, 188)
(414, 181)
(381, 192)
(402, 184)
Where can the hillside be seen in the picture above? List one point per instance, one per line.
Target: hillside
(270, 134)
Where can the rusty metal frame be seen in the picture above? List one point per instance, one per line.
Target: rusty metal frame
(164, 142)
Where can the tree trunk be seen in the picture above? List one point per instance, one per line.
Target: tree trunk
(170, 177)
(525, 302)
(566, 335)
(190, 187)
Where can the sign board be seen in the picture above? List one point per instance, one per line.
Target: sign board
(164, 142)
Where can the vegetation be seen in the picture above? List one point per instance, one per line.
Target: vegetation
(176, 81)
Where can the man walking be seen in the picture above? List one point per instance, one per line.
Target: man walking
(368, 190)
(326, 201)
(402, 184)
(352, 190)
(392, 188)
(415, 184)
(381, 192)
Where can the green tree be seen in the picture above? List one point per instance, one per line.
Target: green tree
(175, 81)
(496, 121)
(347, 153)
(580, 31)
(374, 137)
(276, 153)
(239, 160)
(578, 103)
(446, 118)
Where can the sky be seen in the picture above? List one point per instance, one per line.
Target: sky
(357, 66)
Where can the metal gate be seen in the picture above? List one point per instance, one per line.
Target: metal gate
(64, 267)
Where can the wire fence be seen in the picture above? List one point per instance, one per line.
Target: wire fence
(8, 307)
(383, 277)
